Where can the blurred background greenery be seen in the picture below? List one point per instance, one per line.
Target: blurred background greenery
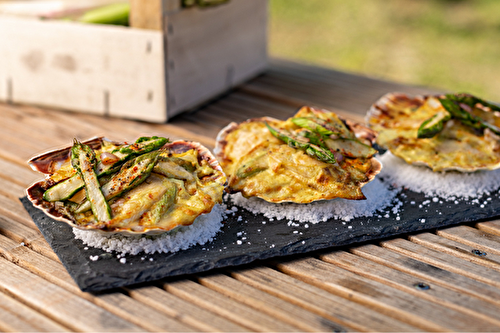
(451, 45)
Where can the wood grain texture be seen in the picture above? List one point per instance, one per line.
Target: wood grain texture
(476, 311)
(424, 270)
(17, 317)
(478, 239)
(349, 315)
(493, 227)
(115, 302)
(467, 252)
(390, 301)
(226, 307)
(445, 261)
(266, 303)
(183, 311)
(57, 303)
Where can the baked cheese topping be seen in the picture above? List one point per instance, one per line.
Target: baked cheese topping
(146, 189)
(258, 164)
(397, 118)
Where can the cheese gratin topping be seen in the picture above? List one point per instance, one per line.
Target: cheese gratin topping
(397, 118)
(260, 164)
(150, 186)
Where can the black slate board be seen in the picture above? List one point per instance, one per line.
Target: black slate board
(272, 239)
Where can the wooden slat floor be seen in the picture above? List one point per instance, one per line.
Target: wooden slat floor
(364, 287)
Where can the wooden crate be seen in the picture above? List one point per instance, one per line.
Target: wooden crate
(193, 55)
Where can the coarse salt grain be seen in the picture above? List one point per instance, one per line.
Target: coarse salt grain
(203, 230)
(377, 193)
(447, 185)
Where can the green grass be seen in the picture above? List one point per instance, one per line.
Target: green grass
(451, 45)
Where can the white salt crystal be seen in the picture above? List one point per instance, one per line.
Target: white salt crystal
(203, 230)
(377, 193)
(447, 185)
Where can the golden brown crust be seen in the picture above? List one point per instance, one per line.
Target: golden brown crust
(396, 117)
(290, 175)
(49, 162)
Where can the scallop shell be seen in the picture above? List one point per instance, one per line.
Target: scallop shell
(50, 161)
(424, 155)
(362, 132)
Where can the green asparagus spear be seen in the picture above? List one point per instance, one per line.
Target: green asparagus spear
(65, 189)
(117, 14)
(142, 145)
(452, 103)
(313, 138)
(253, 166)
(152, 216)
(433, 125)
(312, 150)
(350, 148)
(83, 159)
(131, 174)
(313, 126)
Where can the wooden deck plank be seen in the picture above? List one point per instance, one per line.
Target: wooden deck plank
(425, 270)
(354, 93)
(492, 227)
(445, 261)
(392, 302)
(56, 303)
(478, 239)
(12, 190)
(13, 208)
(368, 289)
(182, 310)
(22, 176)
(266, 303)
(226, 307)
(441, 295)
(17, 317)
(457, 249)
(18, 232)
(115, 302)
(349, 315)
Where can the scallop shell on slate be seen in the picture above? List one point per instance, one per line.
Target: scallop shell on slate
(363, 133)
(50, 161)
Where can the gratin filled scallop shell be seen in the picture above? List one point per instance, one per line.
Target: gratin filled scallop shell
(259, 164)
(186, 181)
(396, 117)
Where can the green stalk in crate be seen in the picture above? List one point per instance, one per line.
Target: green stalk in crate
(117, 14)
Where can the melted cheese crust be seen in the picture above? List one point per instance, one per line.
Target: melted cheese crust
(259, 164)
(397, 117)
(194, 196)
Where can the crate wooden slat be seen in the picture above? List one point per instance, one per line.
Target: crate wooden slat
(170, 60)
(365, 287)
